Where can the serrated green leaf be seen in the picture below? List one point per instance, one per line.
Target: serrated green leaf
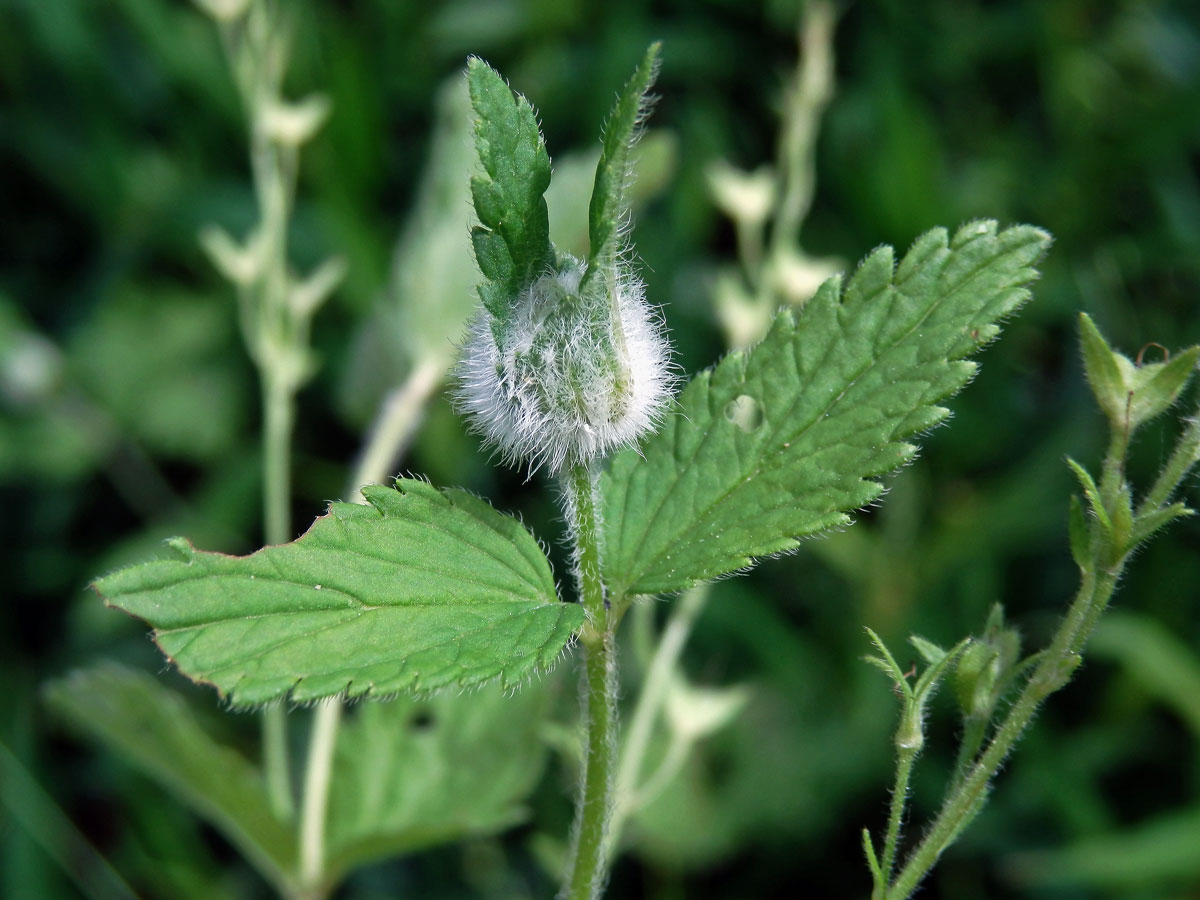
(837, 390)
(608, 205)
(152, 728)
(421, 589)
(512, 245)
(412, 773)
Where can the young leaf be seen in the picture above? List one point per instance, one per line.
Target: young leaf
(608, 207)
(930, 652)
(420, 589)
(1092, 493)
(154, 730)
(467, 763)
(1080, 536)
(834, 393)
(512, 243)
(1104, 371)
(1155, 386)
(878, 882)
(886, 663)
(1146, 524)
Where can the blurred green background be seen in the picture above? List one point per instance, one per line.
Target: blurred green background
(130, 412)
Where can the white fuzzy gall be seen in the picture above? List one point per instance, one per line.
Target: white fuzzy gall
(566, 377)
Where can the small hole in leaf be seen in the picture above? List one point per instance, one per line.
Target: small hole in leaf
(422, 720)
(744, 412)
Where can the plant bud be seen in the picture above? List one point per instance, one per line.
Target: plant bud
(985, 668)
(567, 375)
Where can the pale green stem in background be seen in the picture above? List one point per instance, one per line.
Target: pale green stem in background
(397, 420)
(394, 425)
(279, 415)
(649, 707)
(587, 865)
(811, 93)
(264, 325)
(776, 270)
(279, 419)
(276, 768)
(667, 769)
(750, 251)
(317, 776)
(278, 423)
(275, 317)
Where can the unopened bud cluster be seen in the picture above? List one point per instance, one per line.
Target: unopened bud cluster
(577, 368)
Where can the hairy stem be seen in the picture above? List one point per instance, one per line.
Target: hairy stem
(587, 867)
(1051, 673)
(589, 864)
(904, 767)
(974, 731)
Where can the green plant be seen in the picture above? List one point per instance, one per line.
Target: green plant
(989, 668)
(422, 588)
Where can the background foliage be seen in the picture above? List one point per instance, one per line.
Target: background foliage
(129, 412)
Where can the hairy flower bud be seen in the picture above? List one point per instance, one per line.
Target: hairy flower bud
(568, 374)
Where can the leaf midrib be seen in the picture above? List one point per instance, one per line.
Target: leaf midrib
(307, 635)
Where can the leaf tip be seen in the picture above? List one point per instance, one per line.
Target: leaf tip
(181, 548)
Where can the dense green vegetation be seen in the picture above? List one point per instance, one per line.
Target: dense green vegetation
(130, 412)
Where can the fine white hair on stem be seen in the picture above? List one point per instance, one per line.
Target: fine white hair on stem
(566, 378)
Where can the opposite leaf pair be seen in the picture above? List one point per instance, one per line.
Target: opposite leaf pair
(436, 588)
(426, 588)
